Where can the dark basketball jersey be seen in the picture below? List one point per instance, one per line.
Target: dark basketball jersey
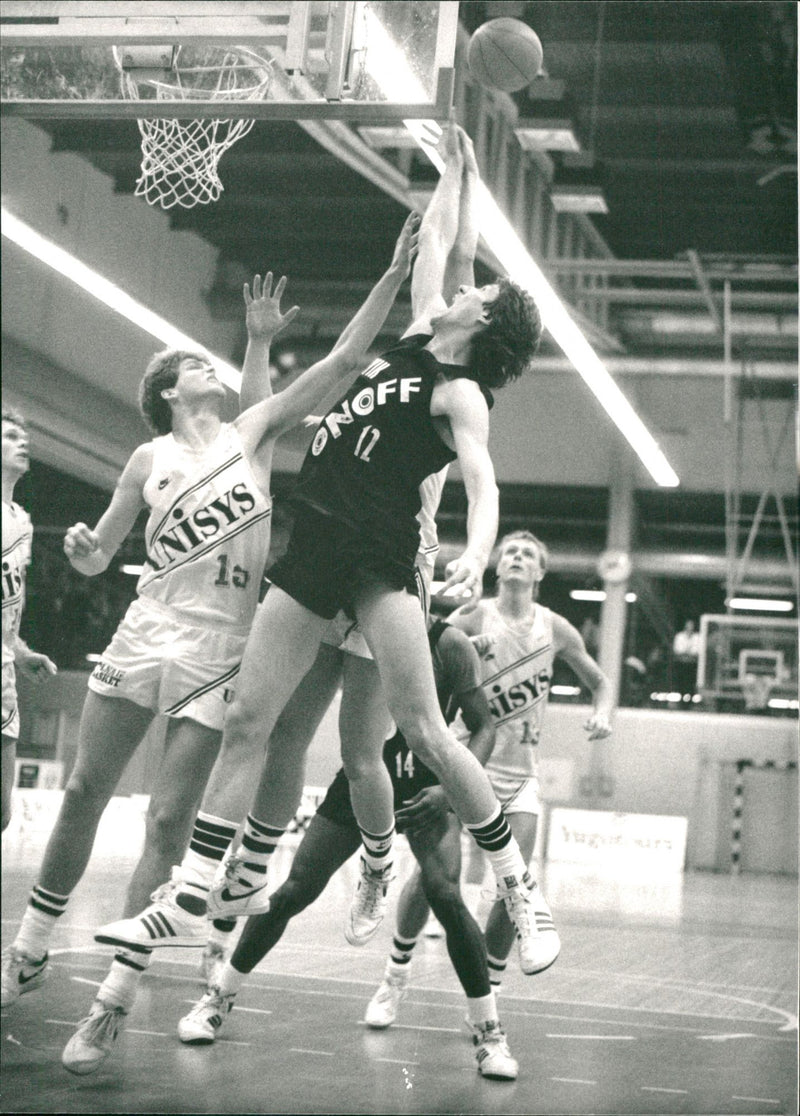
(374, 448)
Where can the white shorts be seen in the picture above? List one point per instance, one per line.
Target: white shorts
(158, 660)
(345, 635)
(10, 707)
(516, 796)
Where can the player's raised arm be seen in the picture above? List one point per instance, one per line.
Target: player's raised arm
(290, 406)
(437, 235)
(264, 319)
(460, 269)
(90, 551)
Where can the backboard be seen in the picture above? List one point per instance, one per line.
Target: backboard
(749, 660)
(370, 61)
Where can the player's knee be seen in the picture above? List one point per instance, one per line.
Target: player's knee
(360, 767)
(292, 897)
(445, 900)
(242, 726)
(82, 796)
(166, 826)
(428, 745)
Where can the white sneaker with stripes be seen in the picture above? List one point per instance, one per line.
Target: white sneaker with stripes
(537, 939)
(163, 923)
(200, 1025)
(492, 1053)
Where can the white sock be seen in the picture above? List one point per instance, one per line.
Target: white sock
(482, 1010)
(120, 986)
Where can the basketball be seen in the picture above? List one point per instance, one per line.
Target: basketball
(505, 54)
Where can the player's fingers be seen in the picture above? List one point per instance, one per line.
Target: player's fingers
(279, 288)
(266, 289)
(287, 317)
(248, 298)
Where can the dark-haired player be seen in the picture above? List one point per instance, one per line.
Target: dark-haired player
(421, 405)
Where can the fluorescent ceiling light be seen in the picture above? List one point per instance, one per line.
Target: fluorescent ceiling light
(389, 68)
(759, 604)
(578, 199)
(546, 135)
(596, 595)
(128, 569)
(109, 293)
(565, 691)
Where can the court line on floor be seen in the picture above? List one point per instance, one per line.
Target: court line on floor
(597, 1038)
(759, 1100)
(661, 1089)
(574, 1080)
(790, 1020)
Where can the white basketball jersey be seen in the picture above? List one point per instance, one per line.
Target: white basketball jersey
(516, 681)
(208, 532)
(17, 540)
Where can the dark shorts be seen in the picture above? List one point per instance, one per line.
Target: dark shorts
(327, 562)
(336, 806)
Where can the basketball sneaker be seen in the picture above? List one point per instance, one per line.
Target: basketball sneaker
(369, 904)
(163, 923)
(94, 1039)
(492, 1053)
(538, 942)
(232, 892)
(20, 974)
(382, 1009)
(200, 1025)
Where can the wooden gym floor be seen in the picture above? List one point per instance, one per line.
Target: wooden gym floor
(674, 996)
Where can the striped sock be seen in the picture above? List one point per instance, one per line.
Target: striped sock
(377, 849)
(494, 836)
(41, 914)
(210, 840)
(119, 987)
(497, 970)
(400, 957)
(259, 842)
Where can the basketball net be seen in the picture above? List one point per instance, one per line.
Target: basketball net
(180, 157)
(756, 689)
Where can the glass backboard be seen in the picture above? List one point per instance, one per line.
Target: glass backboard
(369, 61)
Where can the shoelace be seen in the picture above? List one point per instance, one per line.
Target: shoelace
(102, 1027)
(520, 912)
(165, 893)
(389, 988)
(370, 895)
(232, 868)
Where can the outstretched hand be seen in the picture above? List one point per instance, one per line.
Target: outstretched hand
(407, 244)
(36, 666)
(464, 582)
(263, 311)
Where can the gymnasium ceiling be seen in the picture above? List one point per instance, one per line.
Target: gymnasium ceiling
(690, 109)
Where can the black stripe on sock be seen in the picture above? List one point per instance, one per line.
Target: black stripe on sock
(213, 829)
(56, 912)
(260, 829)
(50, 896)
(252, 845)
(123, 960)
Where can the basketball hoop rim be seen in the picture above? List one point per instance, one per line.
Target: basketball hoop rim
(167, 91)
